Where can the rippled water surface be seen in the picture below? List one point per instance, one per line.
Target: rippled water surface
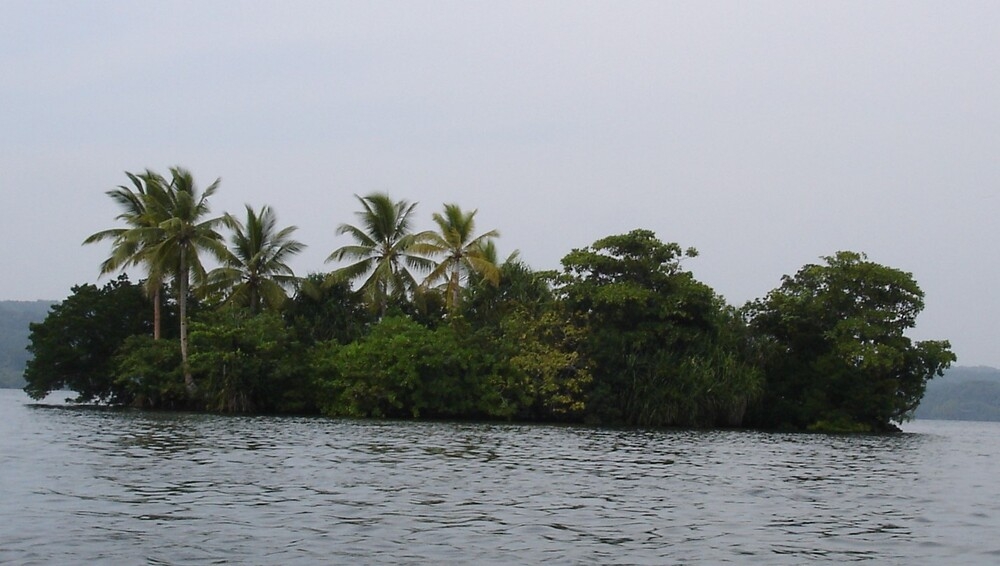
(83, 486)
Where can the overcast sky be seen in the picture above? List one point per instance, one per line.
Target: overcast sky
(765, 134)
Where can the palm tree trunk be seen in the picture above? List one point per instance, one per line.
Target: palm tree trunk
(454, 286)
(157, 314)
(383, 300)
(182, 306)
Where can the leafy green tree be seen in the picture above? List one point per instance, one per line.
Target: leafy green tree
(402, 370)
(541, 372)
(834, 346)
(519, 289)
(463, 253)
(654, 335)
(249, 363)
(176, 244)
(149, 371)
(255, 271)
(382, 252)
(324, 309)
(130, 245)
(74, 346)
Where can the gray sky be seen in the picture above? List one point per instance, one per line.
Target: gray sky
(765, 134)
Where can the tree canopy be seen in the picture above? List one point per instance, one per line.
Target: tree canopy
(834, 346)
(661, 342)
(131, 245)
(462, 253)
(255, 270)
(74, 347)
(623, 334)
(383, 252)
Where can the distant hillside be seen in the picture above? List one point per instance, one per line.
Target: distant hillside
(963, 394)
(15, 316)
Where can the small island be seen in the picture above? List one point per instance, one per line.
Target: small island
(433, 324)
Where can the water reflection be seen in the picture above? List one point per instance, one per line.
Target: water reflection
(118, 486)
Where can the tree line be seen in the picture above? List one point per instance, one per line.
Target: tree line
(434, 324)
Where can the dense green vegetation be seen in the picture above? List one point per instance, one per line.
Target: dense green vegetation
(433, 325)
(834, 350)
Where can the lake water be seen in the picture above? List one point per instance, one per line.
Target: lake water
(84, 486)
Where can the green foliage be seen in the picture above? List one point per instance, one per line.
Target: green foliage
(167, 231)
(519, 289)
(833, 343)
(180, 241)
(622, 335)
(427, 308)
(150, 372)
(131, 246)
(401, 369)
(383, 251)
(255, 271)
(840, 425)
(248, 363)
(540, 373)
(325, 309)
(74, 346)
(711, 385)
(663, 344)
(462, 254)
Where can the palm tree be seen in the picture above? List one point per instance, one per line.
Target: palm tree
(384, 243)
(464, 254)
(128, 249)
(255, 269)
(176, 242)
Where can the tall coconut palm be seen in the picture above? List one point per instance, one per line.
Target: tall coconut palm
(463, 253)
(255, 269)
(383, 250)
(180, 238)
(128, 247)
